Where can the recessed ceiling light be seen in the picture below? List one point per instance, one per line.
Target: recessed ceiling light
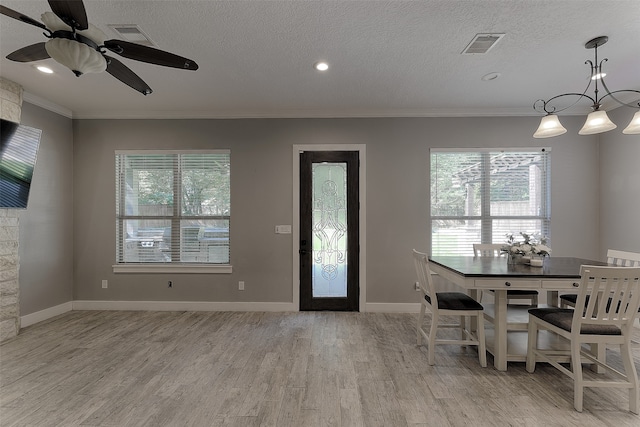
(44, 69)
(490, 76)
(321, 66)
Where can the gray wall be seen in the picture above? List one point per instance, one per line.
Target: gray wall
(261, 186)
(46, 226)
(620, 186)
(67, 234)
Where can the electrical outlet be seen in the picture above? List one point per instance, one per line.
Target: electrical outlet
(105, 284)
(241, 285)
(417, 286)
(170, 283)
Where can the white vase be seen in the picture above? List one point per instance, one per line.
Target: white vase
(536, 262)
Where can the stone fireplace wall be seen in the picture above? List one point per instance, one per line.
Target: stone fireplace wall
(9, 265)
(10, 109)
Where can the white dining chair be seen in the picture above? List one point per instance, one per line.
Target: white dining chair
(446, 304)
(595, 320)
(494, 250)
(614, 257)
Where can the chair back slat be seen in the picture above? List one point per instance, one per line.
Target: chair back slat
(609, 287)
(592, 303)
(623, 258)
(487, 249)
(618, 297)
(421, 262)
(607, 296)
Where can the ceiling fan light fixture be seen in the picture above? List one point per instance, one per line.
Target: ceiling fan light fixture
(94, 34)
(634, 126)
(549, 126)
(53, 23)
(597, 122)
(82, 47)
(76, 56)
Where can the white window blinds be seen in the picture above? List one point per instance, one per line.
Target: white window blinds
(173, 207)
(478, 196)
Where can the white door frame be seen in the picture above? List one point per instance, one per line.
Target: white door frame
(361, 149)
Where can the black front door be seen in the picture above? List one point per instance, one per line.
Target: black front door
(329, 230)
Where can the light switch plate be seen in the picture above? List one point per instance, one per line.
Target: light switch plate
(283, 229)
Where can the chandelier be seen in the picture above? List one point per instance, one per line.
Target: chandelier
(597, 121)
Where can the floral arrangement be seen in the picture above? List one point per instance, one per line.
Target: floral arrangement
(530, 245)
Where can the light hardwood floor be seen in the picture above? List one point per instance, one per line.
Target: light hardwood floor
(109, 368)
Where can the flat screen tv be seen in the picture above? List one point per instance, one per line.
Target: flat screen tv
(18, 152)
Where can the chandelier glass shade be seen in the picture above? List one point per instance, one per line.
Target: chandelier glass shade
(549, 126)
(634, 126)
(597, 121)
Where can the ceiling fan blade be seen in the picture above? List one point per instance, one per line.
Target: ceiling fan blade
(35, 52)
(142, 53)
(20, 17)
(72, 12)
(121, 72)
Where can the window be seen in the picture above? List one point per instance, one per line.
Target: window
(478, 196)
(172, 207)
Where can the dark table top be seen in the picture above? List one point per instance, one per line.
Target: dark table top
(554, 267)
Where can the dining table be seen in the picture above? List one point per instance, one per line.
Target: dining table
(507, 341)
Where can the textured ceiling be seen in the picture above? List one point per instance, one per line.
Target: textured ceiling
(387, 58)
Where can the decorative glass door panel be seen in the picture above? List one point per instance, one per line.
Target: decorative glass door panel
(329, 230)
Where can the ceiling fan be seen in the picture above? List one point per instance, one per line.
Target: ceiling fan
(81, 46)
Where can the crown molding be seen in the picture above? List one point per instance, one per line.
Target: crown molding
(46, 104)
(293, 113)
(307, 114)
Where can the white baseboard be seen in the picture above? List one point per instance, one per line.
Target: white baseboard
(183, 306)
(226, 306)
(375, 307)
(47, 313)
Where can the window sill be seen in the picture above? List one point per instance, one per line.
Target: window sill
(178, 268)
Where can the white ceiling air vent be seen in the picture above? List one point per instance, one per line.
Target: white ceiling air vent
(132, 33)
(482, 43)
